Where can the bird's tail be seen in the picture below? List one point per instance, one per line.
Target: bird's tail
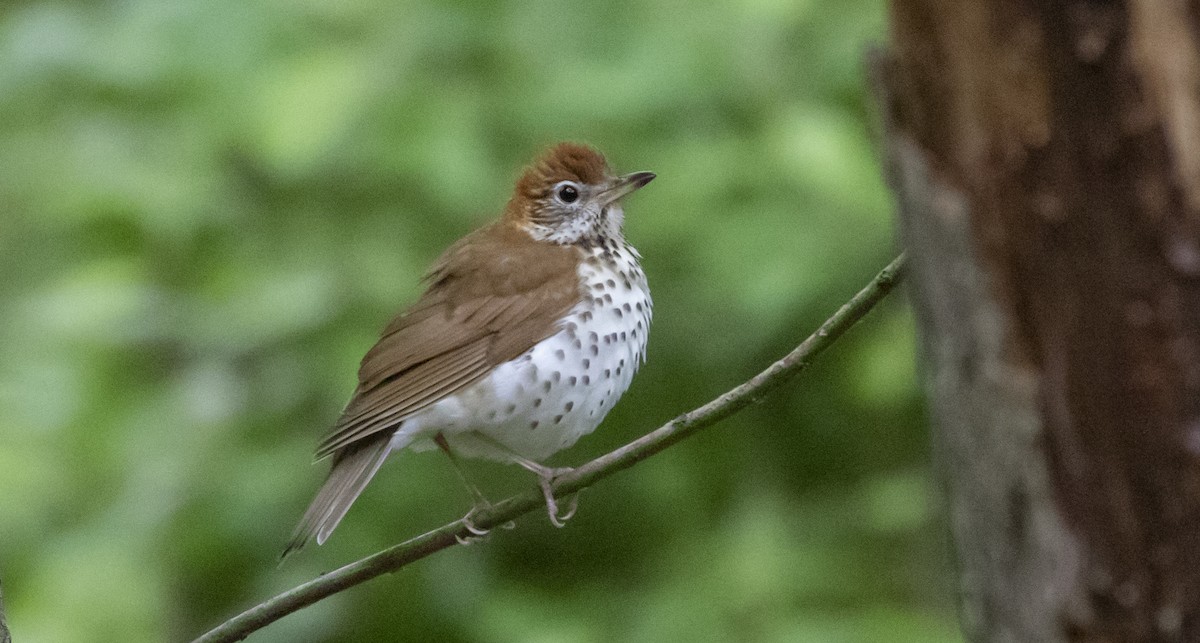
(353, 467)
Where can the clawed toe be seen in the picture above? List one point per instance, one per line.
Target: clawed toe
(477, 533)
(552, 503)
(467, 541)
(572, 508)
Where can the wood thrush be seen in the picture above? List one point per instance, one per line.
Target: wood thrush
(531, 329)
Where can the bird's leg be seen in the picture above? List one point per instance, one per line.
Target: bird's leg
(546, 476)
(481, 501)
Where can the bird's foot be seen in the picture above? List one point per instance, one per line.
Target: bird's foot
(546, 478)
(475, 532)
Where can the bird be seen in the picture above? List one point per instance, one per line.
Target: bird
(528, 332)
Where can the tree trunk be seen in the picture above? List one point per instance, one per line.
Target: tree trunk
(5, 637)
(1046, 160)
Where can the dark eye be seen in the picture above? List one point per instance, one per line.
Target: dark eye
(568, 194)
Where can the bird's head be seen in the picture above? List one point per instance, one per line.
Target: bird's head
(569, 195)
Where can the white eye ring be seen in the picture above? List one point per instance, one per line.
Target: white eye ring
(567, 192)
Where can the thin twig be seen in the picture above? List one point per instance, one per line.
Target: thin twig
(397, 556)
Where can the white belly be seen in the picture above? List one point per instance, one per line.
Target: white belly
(561, 389)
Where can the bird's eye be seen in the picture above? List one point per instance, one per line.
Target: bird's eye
(568, 193)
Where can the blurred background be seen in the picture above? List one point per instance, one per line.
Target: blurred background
(208, 211)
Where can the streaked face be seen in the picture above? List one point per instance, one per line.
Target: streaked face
(570, 211)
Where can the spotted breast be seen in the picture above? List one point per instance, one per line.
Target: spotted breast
(561, 389)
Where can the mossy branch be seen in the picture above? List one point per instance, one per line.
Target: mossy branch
(397, 556)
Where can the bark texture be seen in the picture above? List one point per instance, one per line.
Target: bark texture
(1046, 159)
(5, 637)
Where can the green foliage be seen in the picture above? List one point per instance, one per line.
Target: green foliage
(209, 209)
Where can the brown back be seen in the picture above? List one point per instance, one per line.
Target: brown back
(492, 296)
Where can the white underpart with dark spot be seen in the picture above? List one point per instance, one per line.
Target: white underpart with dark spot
(561, 389)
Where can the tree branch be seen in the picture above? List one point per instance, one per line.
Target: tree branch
(393, 558)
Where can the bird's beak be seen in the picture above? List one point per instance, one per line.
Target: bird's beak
(624, 185)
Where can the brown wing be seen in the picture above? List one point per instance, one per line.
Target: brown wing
(492, 296)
